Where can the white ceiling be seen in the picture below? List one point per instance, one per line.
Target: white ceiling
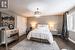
(46, 7)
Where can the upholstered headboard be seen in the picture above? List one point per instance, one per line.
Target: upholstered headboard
(42, 26)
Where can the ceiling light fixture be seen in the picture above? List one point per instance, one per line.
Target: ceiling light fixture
(37, 13)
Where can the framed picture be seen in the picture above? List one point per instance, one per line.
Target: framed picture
(3, 3)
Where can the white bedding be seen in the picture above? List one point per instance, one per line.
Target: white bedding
(42, 33)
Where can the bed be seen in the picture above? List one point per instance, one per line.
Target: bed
(41, 32)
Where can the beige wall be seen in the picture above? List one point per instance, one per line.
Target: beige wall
(55, 21)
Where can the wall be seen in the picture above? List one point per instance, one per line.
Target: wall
(72, 35)
(56, 21)
(21, 24)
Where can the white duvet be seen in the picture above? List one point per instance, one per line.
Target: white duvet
(41, 33)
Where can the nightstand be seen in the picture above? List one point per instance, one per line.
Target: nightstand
(54, 32)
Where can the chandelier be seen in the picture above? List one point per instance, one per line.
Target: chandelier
(37, 13)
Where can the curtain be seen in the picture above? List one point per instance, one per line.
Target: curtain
(64, 33)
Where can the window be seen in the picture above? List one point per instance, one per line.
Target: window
(71, 22)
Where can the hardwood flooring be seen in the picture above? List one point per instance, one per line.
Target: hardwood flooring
(63, 44)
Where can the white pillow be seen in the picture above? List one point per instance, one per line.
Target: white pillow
(42, 26)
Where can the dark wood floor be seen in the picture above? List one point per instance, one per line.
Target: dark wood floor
(62, 43)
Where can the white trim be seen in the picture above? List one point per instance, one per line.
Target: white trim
(71, 40)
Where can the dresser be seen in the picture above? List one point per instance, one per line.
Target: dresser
(9, 35)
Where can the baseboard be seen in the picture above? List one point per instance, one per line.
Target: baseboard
(71, 40)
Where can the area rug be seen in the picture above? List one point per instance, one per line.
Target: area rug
(32, 45)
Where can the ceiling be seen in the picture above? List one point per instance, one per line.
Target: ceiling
(46, 7)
